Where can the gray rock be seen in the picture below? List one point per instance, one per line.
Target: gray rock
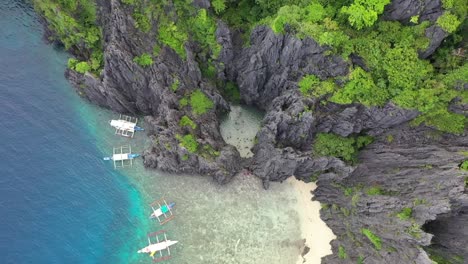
(417, 169)
(403, 10)
(436, 35)
(427, 10)
(274, 63)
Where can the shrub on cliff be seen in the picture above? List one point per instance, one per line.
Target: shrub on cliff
(310, 85)
(204, 31)
(144, 60)
(405, 213)
(464, 165)
(218, 6)
(374, 239)
(340, 147)
(189, 142)
(200, 103)
(361, 88)
(172, 36)
(448, 22)
(82, 67)
(186, 121)
(142, 21)
(74, 24)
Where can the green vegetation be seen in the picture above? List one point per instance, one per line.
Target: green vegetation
(405, 213)
(360, 260)
(183, 102)
(200, 103)
(340, 147)
(189, 142)
(389, 138)
(364, 13)
(464, 165)
(418, 201)
(361, 88)
(218, 6)
(175, 85)
(186, 121)
(82, 67)
(374, 239)
(342, 253)
(448, 22)
(204, 31)
(393, 70)
(208, 152)
(231, 92)
(375, 190)
(310, 85)
(74, 23)
(171, 36)
(142, 21)
(439, 258)
(414, 230)
(389, 50)
(144, 60)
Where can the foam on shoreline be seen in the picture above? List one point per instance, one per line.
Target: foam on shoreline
(316, 233)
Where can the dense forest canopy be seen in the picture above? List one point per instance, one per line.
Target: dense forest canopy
(393, 71)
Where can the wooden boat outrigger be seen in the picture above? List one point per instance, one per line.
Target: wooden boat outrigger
(125, 126)
(159, 246)
(162, 211)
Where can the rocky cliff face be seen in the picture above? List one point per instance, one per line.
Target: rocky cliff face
(417, 169)
(126, 87)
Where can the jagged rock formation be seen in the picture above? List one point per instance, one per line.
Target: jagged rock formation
(126, 87)
(427, 10)
(274, 63)
(418, 169)
(450, 234)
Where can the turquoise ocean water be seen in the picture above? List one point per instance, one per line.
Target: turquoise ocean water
(59, 202)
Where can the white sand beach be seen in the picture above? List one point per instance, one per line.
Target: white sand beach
(316, 233)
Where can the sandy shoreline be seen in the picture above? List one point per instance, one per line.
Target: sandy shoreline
(316, 233)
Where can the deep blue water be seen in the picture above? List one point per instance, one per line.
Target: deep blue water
(59, 203)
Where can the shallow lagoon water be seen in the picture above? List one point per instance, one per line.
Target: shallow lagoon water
(235, 223)
(61, 203)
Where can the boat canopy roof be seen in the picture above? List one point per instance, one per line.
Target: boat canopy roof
(123, 125)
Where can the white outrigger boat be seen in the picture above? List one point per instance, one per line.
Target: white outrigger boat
(159, 246)
(125, 126)
(162, 211)
(122, 157)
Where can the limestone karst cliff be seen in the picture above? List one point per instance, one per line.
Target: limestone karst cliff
(378, 203)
